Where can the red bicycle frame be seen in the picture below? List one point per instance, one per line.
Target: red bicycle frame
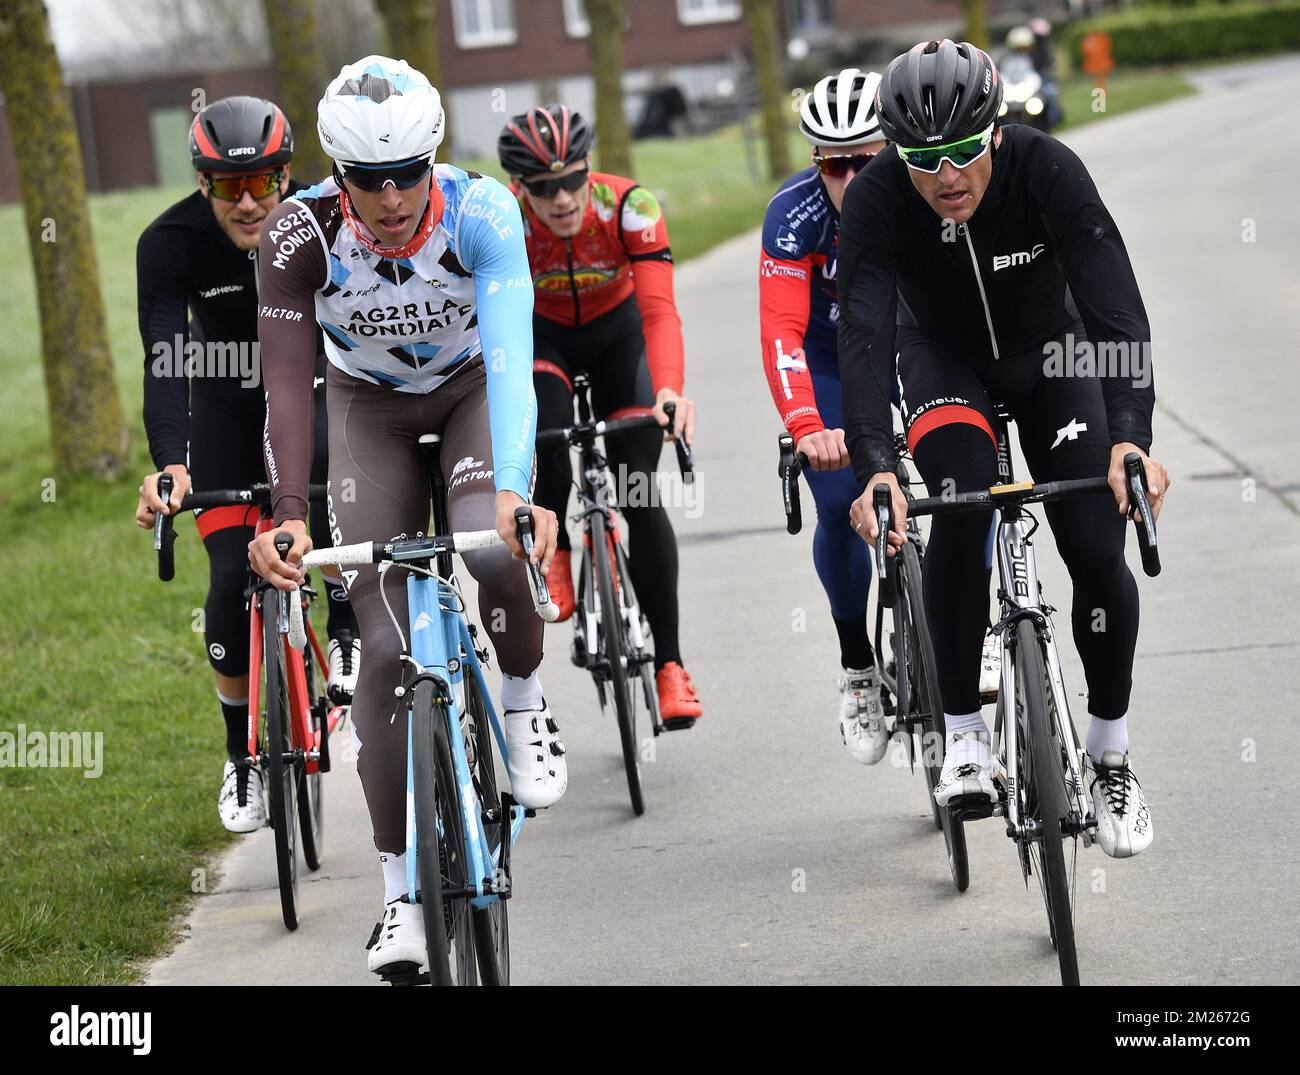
(303, 733)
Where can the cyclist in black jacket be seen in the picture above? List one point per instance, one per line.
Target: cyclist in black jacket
(984, 258)
(204, 402)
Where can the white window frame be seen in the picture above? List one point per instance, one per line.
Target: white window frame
(483, 38)
(715, 11)
(575, 19)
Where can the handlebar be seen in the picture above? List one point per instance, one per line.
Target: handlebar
(407, 550)
(1031, 493)
(584, 433)
(164, 531)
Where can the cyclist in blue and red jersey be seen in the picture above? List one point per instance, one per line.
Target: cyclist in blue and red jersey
(798, 316)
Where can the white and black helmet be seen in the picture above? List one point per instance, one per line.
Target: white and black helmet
(379, 110)
(841, 110)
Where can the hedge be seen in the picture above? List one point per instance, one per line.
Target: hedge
(1154, 35)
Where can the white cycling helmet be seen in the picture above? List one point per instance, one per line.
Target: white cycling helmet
(1020, 37)
(841, 110)
(379, 110)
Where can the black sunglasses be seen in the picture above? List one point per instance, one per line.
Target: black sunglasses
(838, 166)
(371, 177)
(549, 188)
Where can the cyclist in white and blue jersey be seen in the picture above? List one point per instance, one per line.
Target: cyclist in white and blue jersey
(418, 276)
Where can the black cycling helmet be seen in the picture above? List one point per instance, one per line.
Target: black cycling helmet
(543, 139)
(240, 134)
(938, 92)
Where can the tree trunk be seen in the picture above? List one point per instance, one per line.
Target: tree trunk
(974, 29)
(765, 44)
(412, 30)
(605, 42)
(87, 428)
(299, 68)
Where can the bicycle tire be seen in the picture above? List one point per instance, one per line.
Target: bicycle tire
(924, 696)
(612, 642)
(492, 923)
(311, 802)
(440, 859)
(281, 782)
(645, 662)
(1045, 791)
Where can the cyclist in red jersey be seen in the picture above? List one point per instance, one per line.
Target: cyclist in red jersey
(603, 304)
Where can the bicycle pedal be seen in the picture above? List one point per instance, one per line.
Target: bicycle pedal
(678, 724)
(404, 974)
(529, 812)
(971, 808)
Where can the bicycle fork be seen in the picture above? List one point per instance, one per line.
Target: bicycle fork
(1022, 598)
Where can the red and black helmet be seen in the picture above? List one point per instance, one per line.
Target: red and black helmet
(543, 140)
(240, 134)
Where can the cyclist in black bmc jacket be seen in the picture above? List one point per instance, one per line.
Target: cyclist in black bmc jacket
(204, 402)
(984, 258)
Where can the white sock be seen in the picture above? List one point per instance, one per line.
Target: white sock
(394, 867)
(521, 692)
(955, 723)
(1104, 735)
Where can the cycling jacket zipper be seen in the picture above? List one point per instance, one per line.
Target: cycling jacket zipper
(979, 280)
(573, 284)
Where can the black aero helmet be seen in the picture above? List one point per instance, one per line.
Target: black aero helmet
(938, 92)
(542, 140)
(240, 134)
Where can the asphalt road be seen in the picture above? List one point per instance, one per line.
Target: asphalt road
(766, 854)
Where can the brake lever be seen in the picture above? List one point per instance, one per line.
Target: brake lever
(685, 457)
(164, 534)
(882, 501)
(547, 609)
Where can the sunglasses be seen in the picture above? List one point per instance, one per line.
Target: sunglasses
(838, 166)
(549, 188)
(402, 174)
(962, 154)
(230, 188)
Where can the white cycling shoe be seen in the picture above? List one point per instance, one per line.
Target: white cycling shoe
(240, 804)
(538, 772)
(1123, 819)
(397, 945)
(990, 667)
(862, 717)
(967, 770)
(344, 657)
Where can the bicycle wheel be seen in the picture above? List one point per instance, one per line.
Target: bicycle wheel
(491, 924)
(440, 845)
(644, 676)
(311, 803)
(613, 645)
(1044, 795)
(281, 775)
(924, 698)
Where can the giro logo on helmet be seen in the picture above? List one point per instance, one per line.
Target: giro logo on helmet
(241, 151)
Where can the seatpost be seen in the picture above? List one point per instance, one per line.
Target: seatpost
(431, 445)
(580, 390)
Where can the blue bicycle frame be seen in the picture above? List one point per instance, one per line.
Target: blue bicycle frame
(439, 633)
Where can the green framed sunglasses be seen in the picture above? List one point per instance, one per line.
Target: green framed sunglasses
(962, 153)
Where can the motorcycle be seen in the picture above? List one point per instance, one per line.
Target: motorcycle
(1024, 99)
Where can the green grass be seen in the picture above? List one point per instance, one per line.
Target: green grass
(94, 870)
(1126, 90)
